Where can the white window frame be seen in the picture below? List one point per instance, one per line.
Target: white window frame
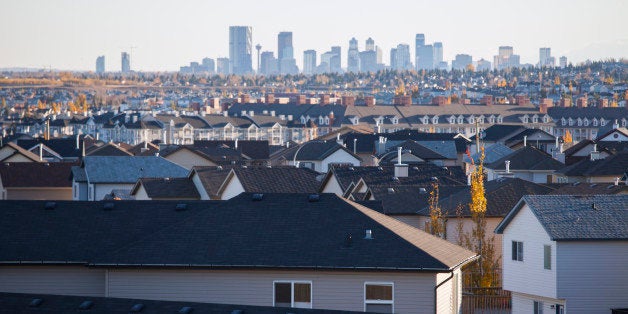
(520, 255)
(380, 283)
(537, 307)
(292, 282)
(547, 255)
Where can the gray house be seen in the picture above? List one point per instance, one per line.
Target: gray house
(314, 251)
(566, 253)
(97, 176)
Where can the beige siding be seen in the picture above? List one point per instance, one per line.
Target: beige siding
(528, 276)
(188, 159)
(63, 280)
(40, 194)
(233, 188)
(141, 194)
(330, 290)
(593, 276)
(333, 186)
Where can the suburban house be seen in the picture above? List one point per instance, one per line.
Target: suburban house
(414, 152)
(12, 152)
(208, 181)
(36, 180)
(566, 253)
(188, 157)
(610, 143)
(97, 176)
(108, 149)
(608, 170)
(56, 149)
(247, 250)
(317, 155)
(282, 179)
(164, 189)
(528, 163)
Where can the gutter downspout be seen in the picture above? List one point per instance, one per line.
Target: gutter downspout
(436, 290)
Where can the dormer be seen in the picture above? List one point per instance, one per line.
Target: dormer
(595, 122)
(471, 119)
(355, 120)
(321, 120)
(480, 119)
(460, 119)
(585, 122)
(546, 119)
(379, 120)
(303, 121)
(623, 122)
(525, 118)
(326, 120)
(563, 121)
(452, 119)
(491, 119)
(435, 120)
(579, 121)
(570, 121)
(535, 119)
(500, 119)
(602, 122)
(425, 120)
(394, 120)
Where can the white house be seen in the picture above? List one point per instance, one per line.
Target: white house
(566, 254)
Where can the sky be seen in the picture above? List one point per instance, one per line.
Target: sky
(70, 34)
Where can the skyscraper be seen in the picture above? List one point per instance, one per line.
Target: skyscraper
(126, 62)
(393, 58)
(309, 61)
(336, 60)
(400, 58)
(100, 65)
(285, 54)
(240, 49)
(370, 45)
(461, 62)
(425, 58)
(222, 65)
(563, 62)
(353, 56)
(209, 65)
(505, 58)
(269, 65)
(545, 57)
(438, 53)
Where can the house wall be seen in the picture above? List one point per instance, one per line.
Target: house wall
(232, 189)
(593, 276)
(199, 187)
(188, 159)
(412, 220)
(333, 186)
(339, 156)
(39, 194)
(62, 280)
(413, 292)
(17, 158)
(5, 152)
(449, 293)
(528, 276)
(100, 190)
(610, 138)
(141, 194)
(79, 191)
(524, 304)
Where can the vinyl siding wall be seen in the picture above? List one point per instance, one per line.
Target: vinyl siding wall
(528, 276)
(524, 304)
(103, 189)
(39, 194)
(233, 188)
(188, 159)
(62, 280)
(593, 276)
(413, 293)
(339, 156)
(199, 187)
(141, 194)
(333, 186)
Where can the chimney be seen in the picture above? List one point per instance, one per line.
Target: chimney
(236, 143)
(507, 166)
(77, 141)
(225, 113)
(41, 152)
(251, 113)
(401, 170)
(560, 156)
(270, 98)
(616, 181)
(272, 113)
(348, 100)
(369, 101)
(324, 100)
(595, 155)
(525, 140)
(616, 125)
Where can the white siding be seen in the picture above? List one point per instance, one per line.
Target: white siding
(141, 194)
(413, 293)
(339, 156)
(233, 188)
(529, 275)
(524, 304)
(103, 189)
(445, 300)
(199, 187)
(62, 280)
(593, 276)
(333, 186)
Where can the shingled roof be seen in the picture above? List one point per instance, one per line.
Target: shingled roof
(258, 232)
(614, 165)
(577, 217)
(36, 174)
(128, 169)
(167, 188)
(501, 195)
(277, 179)
(527, 158)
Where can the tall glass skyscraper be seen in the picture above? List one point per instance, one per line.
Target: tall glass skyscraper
(240, 49)
(126, 62)
(309, 61)
(353, 56)
(100, 64)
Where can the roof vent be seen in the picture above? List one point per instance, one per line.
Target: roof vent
(380, 168)
(186, 310)
(107, 206)
(422, 191)
(369, 234)
(219, 168)
(86, 305)
(50, 205)
(257, 197)
(313, 198)
(415, 168)
(351, 168)
(237, 312)
(391, 191)
(348, 241)
(594, 207)
(36, 302)
(395, 179)
(434, 179)
(576, 183)
(181, 207)
(137, 308)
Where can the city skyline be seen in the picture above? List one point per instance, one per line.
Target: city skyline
(74, 35)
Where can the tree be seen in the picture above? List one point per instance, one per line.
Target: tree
(437, 221)
(478, 239)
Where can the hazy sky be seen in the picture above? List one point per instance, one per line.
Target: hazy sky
(70, 34)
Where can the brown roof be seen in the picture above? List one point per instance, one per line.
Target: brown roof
(211, 178)
(36, 174)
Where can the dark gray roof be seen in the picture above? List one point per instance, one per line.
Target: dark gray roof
(36, 174)
(577, 217)
(128, 169)
(240, 233)
(527, 158)
(500, 132)
(614, 165)
(314, 150)
(492, 153)
(407, 199)
(12, 303)
(277, 179)
(167, 188)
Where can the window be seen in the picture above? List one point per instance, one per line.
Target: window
(517, 251)
(292, 294)
(547, 256)
(538, 307)
(378, 297)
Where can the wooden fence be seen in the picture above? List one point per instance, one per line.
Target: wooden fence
(491, 300)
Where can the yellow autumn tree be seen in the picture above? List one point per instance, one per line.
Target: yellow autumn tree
(483, 272)
(567, 138)
(437, 219)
